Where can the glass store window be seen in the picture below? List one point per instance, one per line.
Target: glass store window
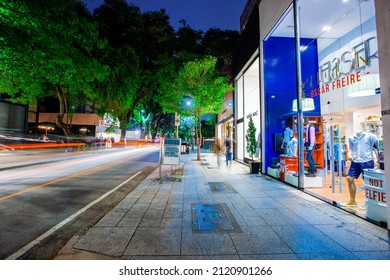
(252, 100)
(248, 105)
(341, 88)
(239, 100)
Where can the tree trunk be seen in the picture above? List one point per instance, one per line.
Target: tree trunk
(63, 110)
(199, 138)
(124, 119)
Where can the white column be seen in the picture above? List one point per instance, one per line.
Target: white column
(382, 8)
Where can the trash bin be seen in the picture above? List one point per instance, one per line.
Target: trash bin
(375, 188)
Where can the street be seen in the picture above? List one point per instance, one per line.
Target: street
(37, 197)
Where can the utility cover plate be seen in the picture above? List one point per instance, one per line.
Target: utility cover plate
(221, 187)
(213, 218)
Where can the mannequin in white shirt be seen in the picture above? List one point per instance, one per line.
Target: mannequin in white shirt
(363, 154)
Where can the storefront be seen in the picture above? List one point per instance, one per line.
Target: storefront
(224, 126)
(340, 89)
(247, 106)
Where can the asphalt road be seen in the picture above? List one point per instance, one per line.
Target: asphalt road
(43, 205)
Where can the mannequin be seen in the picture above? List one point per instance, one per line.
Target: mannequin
(362, 147)
(292, 146)
(310, 141)
(288, 134)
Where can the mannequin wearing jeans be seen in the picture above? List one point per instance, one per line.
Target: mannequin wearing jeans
(310, 141)
(288, 134)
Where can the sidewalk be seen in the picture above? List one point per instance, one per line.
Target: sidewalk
(208, 212)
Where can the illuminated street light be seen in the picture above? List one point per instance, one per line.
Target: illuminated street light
(46, 128)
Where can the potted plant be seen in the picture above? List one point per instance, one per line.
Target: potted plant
(251, 145)
(228, 129)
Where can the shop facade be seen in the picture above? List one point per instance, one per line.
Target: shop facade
(224, 126)
(340, 95)
(247, 106)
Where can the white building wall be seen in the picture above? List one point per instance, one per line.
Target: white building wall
(382, 8)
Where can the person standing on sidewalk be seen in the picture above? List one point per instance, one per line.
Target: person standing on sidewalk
(228, 144)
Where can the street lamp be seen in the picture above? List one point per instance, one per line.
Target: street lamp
(46, 128)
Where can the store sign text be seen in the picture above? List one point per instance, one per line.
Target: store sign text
(252, 115)
(337, 84)
(374, 194)
(345, 70)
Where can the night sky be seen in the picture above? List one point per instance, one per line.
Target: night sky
(199, 14)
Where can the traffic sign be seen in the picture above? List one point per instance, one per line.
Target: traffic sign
(177, 119)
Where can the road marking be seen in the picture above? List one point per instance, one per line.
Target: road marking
(40, 186)
(107, 165)
(26, 248)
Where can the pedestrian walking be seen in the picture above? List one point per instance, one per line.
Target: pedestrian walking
(228, 145)
(217, 152)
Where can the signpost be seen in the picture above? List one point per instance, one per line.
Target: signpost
(170, 152)
(177, 123)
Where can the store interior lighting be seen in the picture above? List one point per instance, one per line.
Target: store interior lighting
(307, 105)
(366, 87)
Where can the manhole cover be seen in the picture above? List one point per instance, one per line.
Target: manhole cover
(221, 187)
(213, 218)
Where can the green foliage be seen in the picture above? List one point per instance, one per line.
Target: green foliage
(228, 129)
(197, 80)
(219, 43)
(186, 125)
(118, 58)
(48, 50)
(208, 127)
(251, 142)
(135, 41)
(47, 46)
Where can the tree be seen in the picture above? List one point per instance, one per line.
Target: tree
(251, 142)
(47, 50)
(221, 43)
(186, 125)
(198, 82)
(133, 39)
(188, 39)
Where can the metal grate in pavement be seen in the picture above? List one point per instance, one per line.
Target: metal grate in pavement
(213, 218)
(221, 187)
